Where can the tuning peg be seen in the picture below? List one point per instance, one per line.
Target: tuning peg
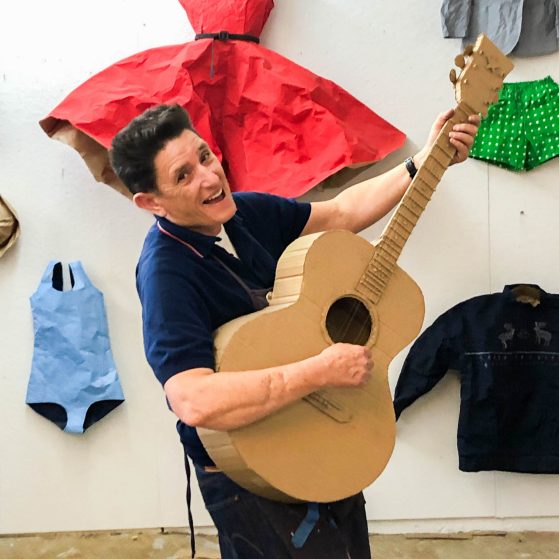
(460, 61)
(468, 50)
(452, 76)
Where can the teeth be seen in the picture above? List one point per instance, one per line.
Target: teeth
(216, 196)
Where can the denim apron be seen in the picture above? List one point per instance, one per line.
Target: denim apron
(73, 381)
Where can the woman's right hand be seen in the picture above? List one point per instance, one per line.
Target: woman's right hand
(345, 365)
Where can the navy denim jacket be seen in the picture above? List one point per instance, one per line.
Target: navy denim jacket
(507, 354)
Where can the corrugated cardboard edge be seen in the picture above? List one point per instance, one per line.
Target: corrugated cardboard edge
(15, 229)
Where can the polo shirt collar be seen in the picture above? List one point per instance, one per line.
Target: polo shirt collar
(202, 243)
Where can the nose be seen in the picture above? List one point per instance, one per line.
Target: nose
(208, 176)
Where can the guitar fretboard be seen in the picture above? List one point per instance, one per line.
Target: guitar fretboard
(381, 267)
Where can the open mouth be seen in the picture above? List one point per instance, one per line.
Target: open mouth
(215, 198)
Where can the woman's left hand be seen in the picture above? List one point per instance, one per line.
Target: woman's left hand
(461, 137)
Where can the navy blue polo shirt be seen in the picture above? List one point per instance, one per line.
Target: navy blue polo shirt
(186, 293)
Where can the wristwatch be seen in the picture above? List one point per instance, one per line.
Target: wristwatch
(410, 166)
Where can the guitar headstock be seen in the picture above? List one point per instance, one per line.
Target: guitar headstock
(484, 67)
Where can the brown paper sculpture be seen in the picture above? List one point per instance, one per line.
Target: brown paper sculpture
(9, 226)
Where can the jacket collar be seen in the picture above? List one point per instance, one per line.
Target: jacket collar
(511, 290)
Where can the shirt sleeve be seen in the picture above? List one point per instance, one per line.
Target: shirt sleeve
(273, 220)
(455, 18)
(428, 360)
(176, 325)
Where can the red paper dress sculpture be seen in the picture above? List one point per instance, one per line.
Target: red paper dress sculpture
(276, 126)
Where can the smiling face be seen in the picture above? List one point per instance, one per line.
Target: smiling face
(192, 189)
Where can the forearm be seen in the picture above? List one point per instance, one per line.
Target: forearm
(362, 204)
(365, 203)
(227, 400)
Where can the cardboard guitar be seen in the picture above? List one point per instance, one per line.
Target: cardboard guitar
(337, 287)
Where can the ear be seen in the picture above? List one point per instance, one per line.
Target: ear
(149, 201)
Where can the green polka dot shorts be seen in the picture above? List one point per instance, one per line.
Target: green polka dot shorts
(521, 131)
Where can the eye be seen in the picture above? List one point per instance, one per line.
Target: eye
(205, 156)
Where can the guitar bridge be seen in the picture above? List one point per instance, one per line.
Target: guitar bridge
(323, 402)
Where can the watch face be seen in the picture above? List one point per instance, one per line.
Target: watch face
(410, 166)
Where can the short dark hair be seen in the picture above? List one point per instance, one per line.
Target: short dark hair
(134, 148)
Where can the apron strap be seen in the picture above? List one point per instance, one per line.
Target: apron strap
(258, 299)
(188, 505)
(257, 296)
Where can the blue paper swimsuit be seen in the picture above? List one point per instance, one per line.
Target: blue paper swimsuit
(73, 379)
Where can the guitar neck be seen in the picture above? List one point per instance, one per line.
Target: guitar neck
(392, 240)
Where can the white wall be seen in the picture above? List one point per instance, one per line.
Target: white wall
(485, 227)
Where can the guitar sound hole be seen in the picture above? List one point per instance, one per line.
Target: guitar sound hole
(349, 321)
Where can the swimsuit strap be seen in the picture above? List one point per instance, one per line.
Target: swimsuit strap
(77, 273)
(47, 274)
(51, 277)
(81, 279)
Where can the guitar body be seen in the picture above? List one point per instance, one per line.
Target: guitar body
(339, 441)
(336, 287)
